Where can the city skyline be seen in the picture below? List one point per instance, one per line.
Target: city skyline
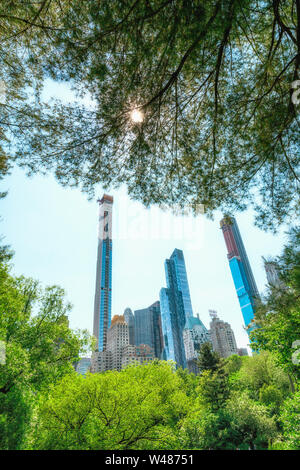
(45, 250)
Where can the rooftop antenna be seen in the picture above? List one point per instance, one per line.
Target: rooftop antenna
(213, 314)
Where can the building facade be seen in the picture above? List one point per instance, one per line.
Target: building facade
(194, 335)
(101, 361)
(222, 336)
(142, 354)
(119, 353)
(242, 275)
(117, 339)
(147, 328)
(129, 318)
(176, 307)
(102, 304)
(272, 273)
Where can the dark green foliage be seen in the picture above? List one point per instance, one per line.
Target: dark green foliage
(213, 385)
(208, 359)
(213, 79)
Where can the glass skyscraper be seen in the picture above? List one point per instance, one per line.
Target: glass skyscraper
(176, 308)
(129, 318)
(102, 305)
(147, 328)
(240, 269)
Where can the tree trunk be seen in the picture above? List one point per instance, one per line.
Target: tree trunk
(291, 383)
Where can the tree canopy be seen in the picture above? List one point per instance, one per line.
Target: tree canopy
(37, 349)
(213, 81)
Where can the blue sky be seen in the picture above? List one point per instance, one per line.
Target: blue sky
(53, 231)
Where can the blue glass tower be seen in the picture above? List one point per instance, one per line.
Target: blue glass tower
(147, 328)
(176, 307)
(240, 270)
(102, 304)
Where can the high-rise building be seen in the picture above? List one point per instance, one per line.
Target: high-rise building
(272, 273)
(222, 336)
(102, 305)
(240, 269)
(147, 328)
(157, 329)
(176, 307)
(101, 361)
(179, 280)
(194, 335)
(119, 353)
(129, 318)
(117, 339)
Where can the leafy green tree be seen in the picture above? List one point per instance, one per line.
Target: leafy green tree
(272, 397)
(39, 349)
(137, 408)
(233, 363)
(25, 30)
(278, 316)
(261, 371)
(206, 430)
(189, 380)
(208, 359)
(212, 80)
(251, 422)
(239, 423)
(213, 389)
(290, 420)
(213, 385)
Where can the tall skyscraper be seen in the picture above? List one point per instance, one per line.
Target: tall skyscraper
(222, 336)
(240, 269)
(272, 273)
(180, 280)
(176, 307)
(147, 328)
(129, 318)
(102, 305)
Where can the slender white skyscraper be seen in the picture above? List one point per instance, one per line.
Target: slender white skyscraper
(102, 306)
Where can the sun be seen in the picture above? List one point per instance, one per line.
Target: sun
(136, 116)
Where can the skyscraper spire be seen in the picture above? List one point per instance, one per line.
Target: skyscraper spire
(240, 269)
(102, 305)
